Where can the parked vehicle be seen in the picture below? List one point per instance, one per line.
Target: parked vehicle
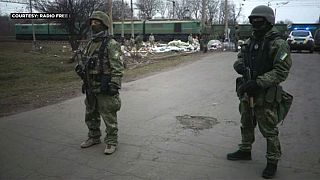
(214, 45)
(301, 40)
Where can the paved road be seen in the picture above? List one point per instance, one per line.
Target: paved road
(177, 124)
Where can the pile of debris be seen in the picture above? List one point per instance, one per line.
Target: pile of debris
(173, 46)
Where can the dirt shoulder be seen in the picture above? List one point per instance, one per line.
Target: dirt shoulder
(33, 80)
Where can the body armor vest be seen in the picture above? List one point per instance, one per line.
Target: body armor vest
(258, 57)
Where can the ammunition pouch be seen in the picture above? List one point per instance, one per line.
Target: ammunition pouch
(284, 104)
(282, 98)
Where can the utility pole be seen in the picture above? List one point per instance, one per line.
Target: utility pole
(279, 5)
(30, 4)
(110, 15)
(173, 7)
(33, 33)
(122, 19)
(132, 27)
(226, 19)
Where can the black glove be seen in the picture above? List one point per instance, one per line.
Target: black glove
(113, 89)
(79, 70)
(251, 87)
(239, 67)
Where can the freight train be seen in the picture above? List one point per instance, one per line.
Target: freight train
(164, 30)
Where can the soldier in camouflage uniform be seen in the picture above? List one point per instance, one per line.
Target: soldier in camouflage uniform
(264, 61)
(102, 72)
(190, 39)
(151, 40)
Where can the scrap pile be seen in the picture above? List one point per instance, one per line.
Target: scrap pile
(173, 46)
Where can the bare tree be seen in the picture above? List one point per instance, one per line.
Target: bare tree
(147, 8)
(162, 8)
(117, 8)
(169, 6)
(213, 11)
(288, 21)
(79, 10)
(195, 8)
(235, 12)
(179, 9)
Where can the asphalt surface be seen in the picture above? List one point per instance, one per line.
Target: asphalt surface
(178, 124)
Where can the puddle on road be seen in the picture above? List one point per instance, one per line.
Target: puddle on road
(196, 123)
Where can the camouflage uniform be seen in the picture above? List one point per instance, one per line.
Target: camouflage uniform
(264, 61)
(273, 63)
(99, 103)
(190, 39)
(151, 39)
(104, 105)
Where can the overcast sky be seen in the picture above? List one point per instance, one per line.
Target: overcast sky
(298, 11)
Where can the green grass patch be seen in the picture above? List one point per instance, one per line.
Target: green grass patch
(29, 80)
(24, 71)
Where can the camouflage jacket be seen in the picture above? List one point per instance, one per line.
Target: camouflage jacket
(273, 62)
(112, 63)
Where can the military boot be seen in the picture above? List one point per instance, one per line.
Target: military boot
(270, 171)
(90, 142)
(239, 155)
(110, 148)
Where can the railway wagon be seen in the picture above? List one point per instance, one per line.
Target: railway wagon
(165, 30)
(46, 31)
(162, 30)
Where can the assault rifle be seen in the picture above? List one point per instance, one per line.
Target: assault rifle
(247, 77)
(84, 64)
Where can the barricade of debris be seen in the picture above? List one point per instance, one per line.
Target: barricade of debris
(135, 54)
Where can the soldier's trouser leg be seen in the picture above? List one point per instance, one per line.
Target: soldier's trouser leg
(267, 118)
(92, 118)
(108, 107)
(247, 128)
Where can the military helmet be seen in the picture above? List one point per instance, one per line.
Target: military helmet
(103, 17)
(263, 11)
